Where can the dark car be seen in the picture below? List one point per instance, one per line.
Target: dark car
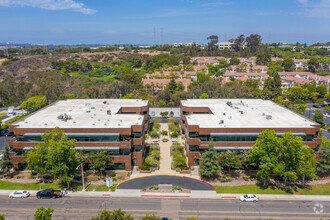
(316, 106)
(49, 193)
(4, 132)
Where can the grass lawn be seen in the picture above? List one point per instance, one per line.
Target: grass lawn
(103, 77)
(323, 189)
(36, 186)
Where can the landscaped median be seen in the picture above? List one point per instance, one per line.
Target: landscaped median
(322, 189)
(5, 185)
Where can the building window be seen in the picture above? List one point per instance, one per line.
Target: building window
(193, 148)
(137, 135)
(137, 147)
(184, 122)
(185, 113)
(144, 113)
(193, 134)
(204, 137)
(125, 151)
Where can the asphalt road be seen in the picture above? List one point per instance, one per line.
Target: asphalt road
(84, 208)
(183, 182)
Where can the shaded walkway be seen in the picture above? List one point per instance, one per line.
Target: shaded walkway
(183, 182)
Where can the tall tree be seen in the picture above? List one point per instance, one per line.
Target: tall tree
(264, 154)
(5, 163)
(172, 85)
(288, 64)
(61, 155)
(100, 161)
(323, 164)
(229, 160)
(43, 214)
(253, 42)
(116, 214)
(209, 162)
(313, 64)
(318, 116)
(213, 40)
(307, 163)
(37, 159)
(238, 43)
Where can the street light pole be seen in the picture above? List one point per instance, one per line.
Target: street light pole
(82, 177)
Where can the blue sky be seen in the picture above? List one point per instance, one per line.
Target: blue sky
(134, 21)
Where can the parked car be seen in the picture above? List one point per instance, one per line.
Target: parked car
(4, 132)
(49, 193)
(316, 106)
(248, 198)
(19, 194)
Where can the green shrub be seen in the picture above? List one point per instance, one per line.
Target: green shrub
(174, 135)
(145, 165)
(154, 187)
(154, 134)
(18, 177)
(128, 173)
(112, 174)
(180, 162)
(143, 189)
(225, 180)
(176, 188)
(245, 178)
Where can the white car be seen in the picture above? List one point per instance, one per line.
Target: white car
(248, 198)
(19, 194)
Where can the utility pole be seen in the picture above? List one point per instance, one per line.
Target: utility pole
(162, 35)
(82, 177)
(154, 35)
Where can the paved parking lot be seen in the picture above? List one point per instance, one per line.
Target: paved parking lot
(183, 182)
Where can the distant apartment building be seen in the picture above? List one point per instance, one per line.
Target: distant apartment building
(117, 126)
(227, 45)
(183, 44)
(234, 124)
(247, 68)
(300, 63)
(159, 84)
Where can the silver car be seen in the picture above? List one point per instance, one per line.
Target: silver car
(248, 198)
(19, 194)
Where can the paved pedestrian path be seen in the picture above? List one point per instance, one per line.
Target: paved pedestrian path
(165, 158)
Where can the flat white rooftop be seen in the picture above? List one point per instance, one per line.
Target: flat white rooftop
(85, 113)
(244, 113)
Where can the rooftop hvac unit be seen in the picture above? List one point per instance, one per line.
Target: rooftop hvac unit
(230, 104)
(60, 117)
(88, 111)
(105, 102)
(241, 112)
(92, 107)
(268, 117)
(109, 112)
(263, 114)
(221, 122)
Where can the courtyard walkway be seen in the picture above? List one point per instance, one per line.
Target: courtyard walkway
(165, 158)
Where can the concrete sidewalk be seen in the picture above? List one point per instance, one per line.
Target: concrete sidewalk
(195, 194)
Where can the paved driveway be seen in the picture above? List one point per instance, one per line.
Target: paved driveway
(183, 182)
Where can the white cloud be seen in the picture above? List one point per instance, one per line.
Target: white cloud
(215, 4)
(319, 8)
(302, 1)
(49, 5)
